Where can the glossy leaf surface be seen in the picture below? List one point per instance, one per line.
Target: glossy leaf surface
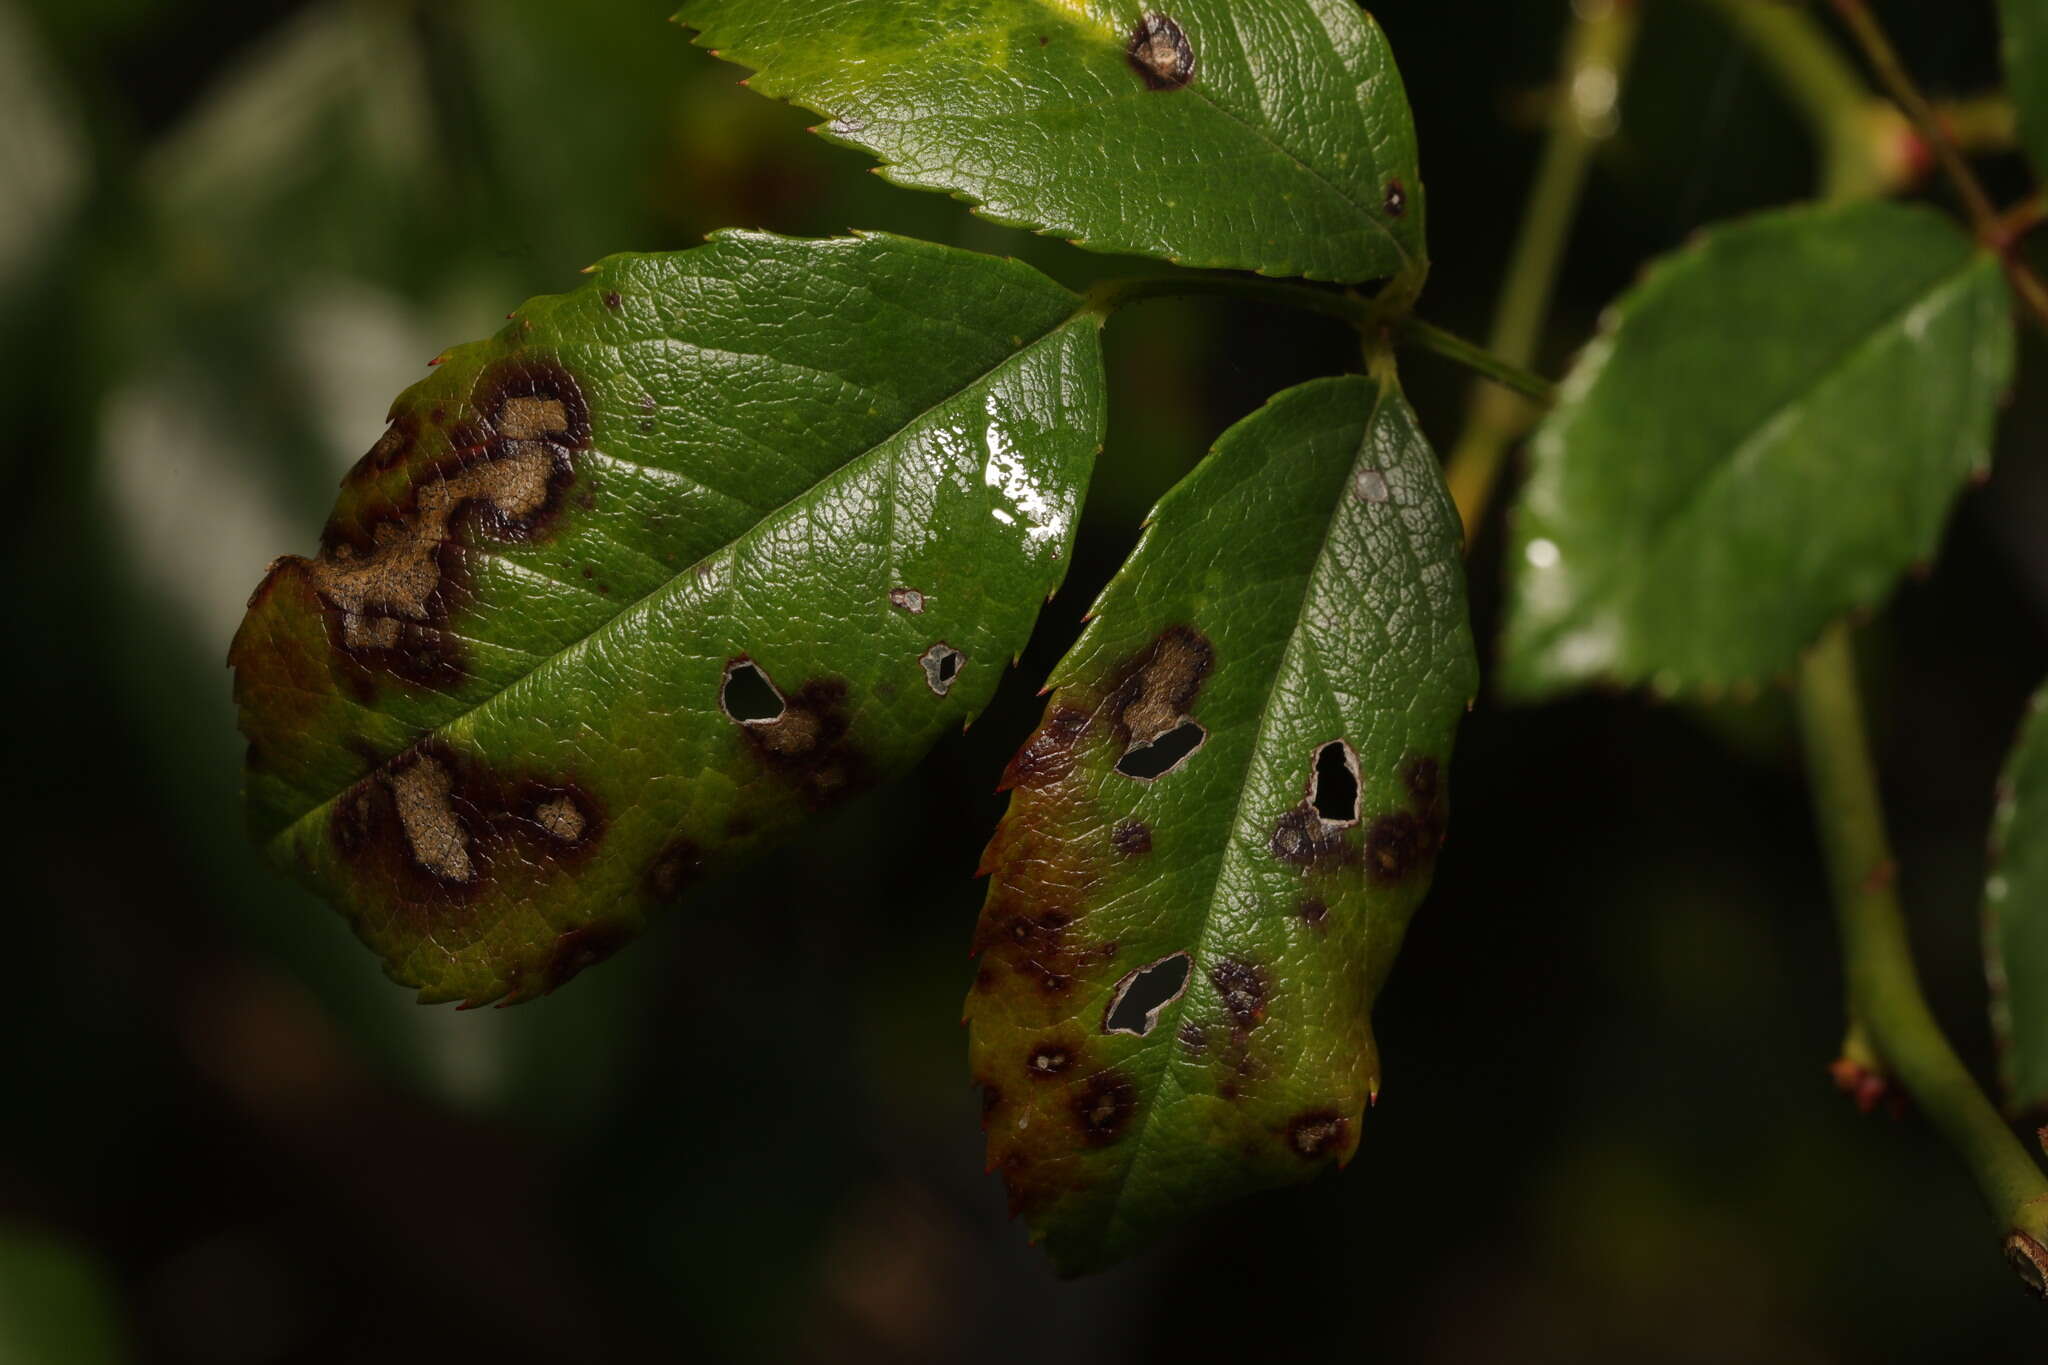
(2016, 916)
(670, 564)
(1269, 135)
(2025, 25)
(1177, 967)
(1770, 429)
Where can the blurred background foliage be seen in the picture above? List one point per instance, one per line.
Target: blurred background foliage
(231, 233)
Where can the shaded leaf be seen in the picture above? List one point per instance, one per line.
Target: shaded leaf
(505, 713)
(1269, 135)
(1218, 834)
(2025, 24)
(2016, 915)
(1771, 428)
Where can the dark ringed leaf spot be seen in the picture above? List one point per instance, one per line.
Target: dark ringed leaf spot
(1048, 1059)
(1319, 1131)
(1104, 1107)
(387, 581)
(1243, 988)
(907, 599)
(580, 948)
(612, 299)
(1160, 53)
(1048, 755)
(1313, 912)
(1396, 200)
(1396, 844)
(1135, 1004)
(681, 863)
(1131, 838)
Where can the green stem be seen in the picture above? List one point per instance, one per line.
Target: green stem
(1364, 314)
(1884, 60)
(1596, 55)
(1884, 989)
(1484, 363)
(1889, 1021)
(1847, 122)
(1985, 219)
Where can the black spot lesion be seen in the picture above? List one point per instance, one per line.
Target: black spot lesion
(439, 826)
(809, 745)
(1131, 838)
(1103, 1108)
(389, 577)
(1396, 200)
(1048, 1059)
(1317, 1133)
(577, 949)
(1159, 51)
(1150, 702)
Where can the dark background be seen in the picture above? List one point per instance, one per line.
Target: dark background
(231, 232)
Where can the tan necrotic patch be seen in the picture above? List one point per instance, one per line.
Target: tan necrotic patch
(422, 792)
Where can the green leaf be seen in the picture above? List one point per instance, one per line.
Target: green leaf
(645, 581)
(1297, 605)
(2026, 72)
(1771, 428)
(1268, 135)
(2016, 915)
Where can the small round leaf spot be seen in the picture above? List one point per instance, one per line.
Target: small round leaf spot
(1159, 52)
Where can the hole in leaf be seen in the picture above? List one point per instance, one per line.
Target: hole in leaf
(942, 664)
(1162, 754)
(1134, 1008)
(748, 697)
(1333, 785)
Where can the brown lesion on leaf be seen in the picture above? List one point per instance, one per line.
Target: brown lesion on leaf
(1155, 691)
(422, 790)
(1049, 754)
(1131, 838)
(809, 745)
(1052, 1057)
(1242, 988)
(1103, 1107)
(580, 948)
(562, 818)
(439, 827)
(1159, 51)
(680, 863)
(1395, 845)
(388, 580)
(1317, 1133)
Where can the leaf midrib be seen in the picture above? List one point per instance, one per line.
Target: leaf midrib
(1235, 827)
(1079, 312)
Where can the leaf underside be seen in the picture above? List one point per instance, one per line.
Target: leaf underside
(2025, 24)
(1771, 428)
(1268, 135)
(2016, 916)
(645, 581)
(1296, 613)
